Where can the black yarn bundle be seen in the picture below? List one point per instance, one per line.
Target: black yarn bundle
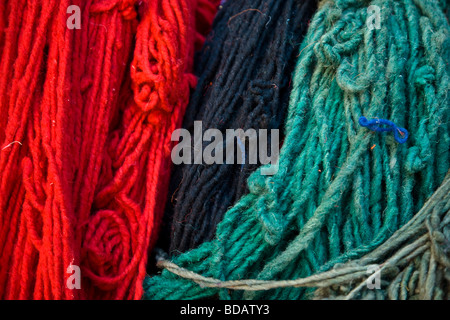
(244, 74)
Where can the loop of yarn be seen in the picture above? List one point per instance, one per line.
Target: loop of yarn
(400, 134)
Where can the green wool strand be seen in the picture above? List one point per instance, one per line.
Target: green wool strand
(341, 190)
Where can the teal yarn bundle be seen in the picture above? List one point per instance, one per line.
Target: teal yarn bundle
(343, 191)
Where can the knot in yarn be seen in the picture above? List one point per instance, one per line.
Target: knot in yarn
(424, 75)
(266, 214)
(160, 66)
(413, 161)
(400, 134)
(125, 7)
(272, 226)
(257, 184)
(326, 52)
(350, 82)
(418, 156)
(344, 39)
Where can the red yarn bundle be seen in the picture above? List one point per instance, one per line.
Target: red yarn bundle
(86, 117)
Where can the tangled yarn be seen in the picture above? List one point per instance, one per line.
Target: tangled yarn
(244, 82)
(342, 191)
(84, 119)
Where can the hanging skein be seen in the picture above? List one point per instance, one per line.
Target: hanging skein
(56, 84)
(84, 142)
(129, 199)
(341, 190)
(244, 82)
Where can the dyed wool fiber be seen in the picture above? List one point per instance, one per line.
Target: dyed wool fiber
(244, 82)
(342, 189)
(84, 116)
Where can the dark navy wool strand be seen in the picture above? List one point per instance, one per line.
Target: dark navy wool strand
(244, 73)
